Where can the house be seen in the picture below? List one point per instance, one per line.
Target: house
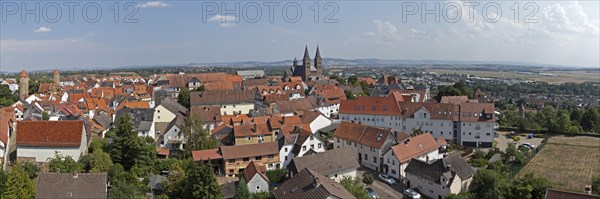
(255, 178)
(560, 194)
(310, 184)
(315, 120)
(231, 102)
(71, 185)
(167, 110)
(172, 137)
(142, 119)
(250, 74)
(7, 121)
(39, 140)
(369, 143)
(372, 111)
(422, 147)
(286, 143)
(252, 133)
(476, 127)
(335, 164)
(235, 158)
(440, 178)
(210, 115)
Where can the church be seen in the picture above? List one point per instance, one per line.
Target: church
(308, 70)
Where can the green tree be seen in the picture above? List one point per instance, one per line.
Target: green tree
(3, 178)
(129, 150)
(276, 175)
(367, 179)
(563, 121)
(125, 191)
(18, 184)
(96, 162)
(184, 98)
(201, 182)
(349, 95)
(175, 181)
(63, 164)
(242, 191)
(461, 195)
(596, 185)
(45, 116)
(352, 80)
(416, 132)
(529, 187)
(31, 169)
(489, 184)
(196, 136)
(355, 187)
(98, 145)
(591, 120)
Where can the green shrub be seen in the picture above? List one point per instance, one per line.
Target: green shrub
(276, 175)
(367, 179)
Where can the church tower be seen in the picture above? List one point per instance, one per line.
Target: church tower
(56, 77)
(23, 85)
(306, 64)
(318, 62)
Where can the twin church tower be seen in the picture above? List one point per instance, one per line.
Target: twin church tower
(309, 70)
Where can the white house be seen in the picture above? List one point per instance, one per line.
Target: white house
(255, 178)
(422, 147)
(230, 102)
(440, 178)
(372, 111)
(315, 120)
(39, 140)
(369, 143)
(173, 138)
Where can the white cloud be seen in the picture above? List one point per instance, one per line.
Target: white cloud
(154, 4)
(42, 29)
(225, 20)
(91, 34)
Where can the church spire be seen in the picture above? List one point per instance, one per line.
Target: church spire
(306, 52)
(318, 54)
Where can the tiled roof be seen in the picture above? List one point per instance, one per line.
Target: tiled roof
(221, 97)
(370, 106)
(414, 146)
(474, 112)
(454, 99)
(436, 110)
(6, 121)
(49, 133)
(207, 113)
(310, 184)
(366, 135)
(252, 169)
(559, 194)
(208, 154)
(251, 130)
(448, 166)
(69, 185)
(327, 162)
(249, 150)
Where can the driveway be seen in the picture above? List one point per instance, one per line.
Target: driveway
(503, 139)
(383, 190)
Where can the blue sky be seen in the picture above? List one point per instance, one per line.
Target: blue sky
(174, 32)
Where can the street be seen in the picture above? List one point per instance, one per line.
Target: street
(383, 190)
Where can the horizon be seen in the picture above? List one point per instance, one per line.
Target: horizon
(554, 33)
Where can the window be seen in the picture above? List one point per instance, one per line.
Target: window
(285, 149)
(366, 157)
(249, 138)
(158, 111)
(230, 170)
(393, 171)
(286, 158)
(312, 146)
(257, 187)
(374, 159)
(312, 138)
(231, 161)
(303, 148)
(319, 145)
(270, 156)
(258, 158)
(246, 159)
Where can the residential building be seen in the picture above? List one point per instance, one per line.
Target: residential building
(37, 141)
(142, 119)
(369, 143)
(71, 185)
(310, 184)
(372, 111)
(255, 178)
(335, 164)
(235, 158)
(231, 102)
(422, 147)
(252, 133)
(440, 178)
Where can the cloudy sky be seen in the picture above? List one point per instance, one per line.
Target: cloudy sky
(120, 33)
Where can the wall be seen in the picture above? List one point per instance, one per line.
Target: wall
(229, 109)
(161, 114)
(257, 181)
(388, 121)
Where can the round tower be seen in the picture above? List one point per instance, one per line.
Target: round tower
(23, 85)
(56, 76)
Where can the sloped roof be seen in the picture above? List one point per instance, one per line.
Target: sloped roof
(172, 105)
(221, 97)
(208, 154)
(370, 106)
(414, 146)
(448, 166)
(310, 184)
(253, 169)
(362, 134)
(65, 133)
(78, 185)
(560, 194)
(327, 162)
(249, 150)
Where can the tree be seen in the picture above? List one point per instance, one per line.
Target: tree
(489, 184)
(276, 175)
(3, 178)
(45, 116)
(196, 136)
(18, 184)
(352, 80)
(31, 169)
(125, 191)
(242, 191)
(201, 182)
(96, 162)
(128, 149)
(591, 120)
(63, 164)
(184, 98)
(349, 95)
(596, 185)
(461, 195)
(355, 187)
(123, 184)
(367, 179)
(529, 187)
(416, 132)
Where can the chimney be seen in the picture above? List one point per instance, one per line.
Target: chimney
(255, 128)
(282, 119)
(587, 189)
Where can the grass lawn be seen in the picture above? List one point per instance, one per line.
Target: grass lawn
(567, 162)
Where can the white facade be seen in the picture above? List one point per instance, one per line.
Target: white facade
(476, 133)
(162, 114)
(42, 153)
(151, 132)
(285, 154)
(258, 184)
(173, 136)
(319, 123)
(313, 143)
(422, 119)
(396, 168)
(388, 121)
(340, 174)
(434, 190)
(367, 156)
(230, 109)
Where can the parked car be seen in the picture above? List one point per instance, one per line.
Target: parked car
(411, 194)
(372, 193)
(531, 146)
(529, 136)
(386, 178)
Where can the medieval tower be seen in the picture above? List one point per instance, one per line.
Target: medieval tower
(56, 77)
(23, 85)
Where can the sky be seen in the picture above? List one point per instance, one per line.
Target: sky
(118, 33)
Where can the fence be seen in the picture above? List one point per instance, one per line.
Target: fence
(514, 168)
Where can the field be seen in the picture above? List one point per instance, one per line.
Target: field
(567, 162)
(563, 76)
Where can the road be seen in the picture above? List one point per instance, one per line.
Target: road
(383, 190)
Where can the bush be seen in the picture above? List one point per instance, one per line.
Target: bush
(367, 179)
(277, 175)
(516, 138)
(479, 162)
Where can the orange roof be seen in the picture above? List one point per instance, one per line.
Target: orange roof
(362, 134)
(208, 154)
(251, 130)
(128, 104)
(441, 141)
(55, 72)
(162, 151)
(370, 106)
(414, 147)
(23, 73)
(54, 133)
(6, 120)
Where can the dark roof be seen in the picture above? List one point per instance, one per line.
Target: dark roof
(172, 105)
(207, 113)
(49, 133)
(326, 162)
(68, 185)
(362, 134)
(136, 115)
(449, 166)
(228, 189)
(558, 194)
(309, 184)
(249, 150)
(221, 97)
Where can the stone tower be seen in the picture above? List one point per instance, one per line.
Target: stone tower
(306, 64)
(56, 77)
(23, 85)
(318, 61)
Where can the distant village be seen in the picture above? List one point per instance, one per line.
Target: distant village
(300, 122)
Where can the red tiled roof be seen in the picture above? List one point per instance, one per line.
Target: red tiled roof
(362, 134)
(208, 154)
(6, 119)
(162, 151)
(49, 133)
(415, 146)
(370, 106)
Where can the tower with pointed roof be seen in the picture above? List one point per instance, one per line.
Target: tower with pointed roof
(23, 85)
(310, 69)
(56, 77)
